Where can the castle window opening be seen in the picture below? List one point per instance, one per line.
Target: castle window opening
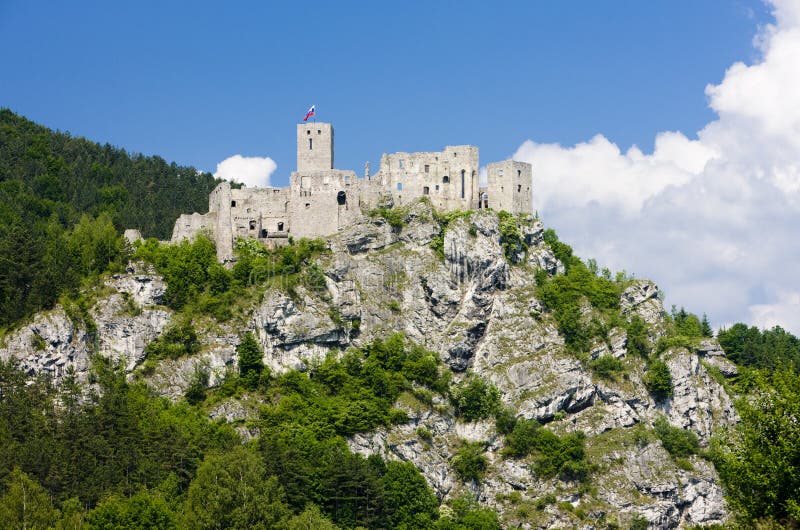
(280, 227)
(399, 186)
(455, 155)
(462, 183)
(400, 163)
(519, 188)
(308, 205)
(263, 232)
(341, 198)
(519, 173)
(233, 204)
(445, 180)
(319, 132)
(308, 132)
(252, 225)
(500, 173)
(310, 143)
(426, 190)
(437, 187)
(427, 168)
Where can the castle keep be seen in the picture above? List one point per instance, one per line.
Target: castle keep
(321, 200)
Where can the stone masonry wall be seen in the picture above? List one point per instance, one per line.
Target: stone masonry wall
(321, 200)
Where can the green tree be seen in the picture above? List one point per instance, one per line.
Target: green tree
(251, 363)
(469, 462)
(25, 504)
(232, 490)
(143, 511)
(412, 505)
(678, 442)
(658, 380)
(759, 459)
(705, 326)
(311, 518)
(475, 398)
(638, 343)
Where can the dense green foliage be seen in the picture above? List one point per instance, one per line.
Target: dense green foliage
(178, 340)
(284, 267)
(678, 442)
(554, 455)
(658, 380)
(638, 343)
(563, 295)
(197, 281)
(251, 364)
(466, 514)
(394, 216)
(63, 203)
(759, 459)
(125, 459)
(469, 462)
(768, 349)
(607, 367)
(510, 237)
(114, 442)
(475, 398)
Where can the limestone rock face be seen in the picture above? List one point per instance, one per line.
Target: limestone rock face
(51, 344)
(641, 299)
(480, 313)
(698, 403)
(126, 321)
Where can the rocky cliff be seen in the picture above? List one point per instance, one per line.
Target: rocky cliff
(476, 306)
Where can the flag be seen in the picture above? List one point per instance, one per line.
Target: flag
(309, 113)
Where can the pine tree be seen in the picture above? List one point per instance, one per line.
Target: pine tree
(251, 364)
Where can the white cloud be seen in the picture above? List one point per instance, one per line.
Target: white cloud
(714, 220)
(252, 171)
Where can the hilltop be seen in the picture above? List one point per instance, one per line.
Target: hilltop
(419, 368)
(544, 427)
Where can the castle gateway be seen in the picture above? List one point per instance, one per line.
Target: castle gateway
(320, 200)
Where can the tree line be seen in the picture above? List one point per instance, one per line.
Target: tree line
(59, 193)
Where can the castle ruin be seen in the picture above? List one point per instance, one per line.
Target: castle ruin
(321, 200)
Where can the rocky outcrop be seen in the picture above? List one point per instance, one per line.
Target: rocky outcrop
(642, 299)
(124, 322)
(481, 314)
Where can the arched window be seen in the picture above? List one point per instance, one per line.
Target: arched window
(341, 198)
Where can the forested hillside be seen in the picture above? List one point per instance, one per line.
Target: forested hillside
(49, 181)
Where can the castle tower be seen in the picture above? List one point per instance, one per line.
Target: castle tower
(314, 147)
(509, 186)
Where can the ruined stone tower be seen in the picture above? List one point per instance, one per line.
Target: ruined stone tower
(314, 147)
(321, 200)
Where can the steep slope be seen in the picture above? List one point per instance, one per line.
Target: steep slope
(475, 303)
(49, 181)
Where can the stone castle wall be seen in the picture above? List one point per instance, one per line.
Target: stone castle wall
(448, 178)
(321, 200)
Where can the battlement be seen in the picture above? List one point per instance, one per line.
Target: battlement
(321, 200)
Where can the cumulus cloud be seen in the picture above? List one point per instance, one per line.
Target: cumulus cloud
(252, 171)
(714, 220)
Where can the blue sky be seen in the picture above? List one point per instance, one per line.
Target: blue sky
(196, 82)
(707, 202)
